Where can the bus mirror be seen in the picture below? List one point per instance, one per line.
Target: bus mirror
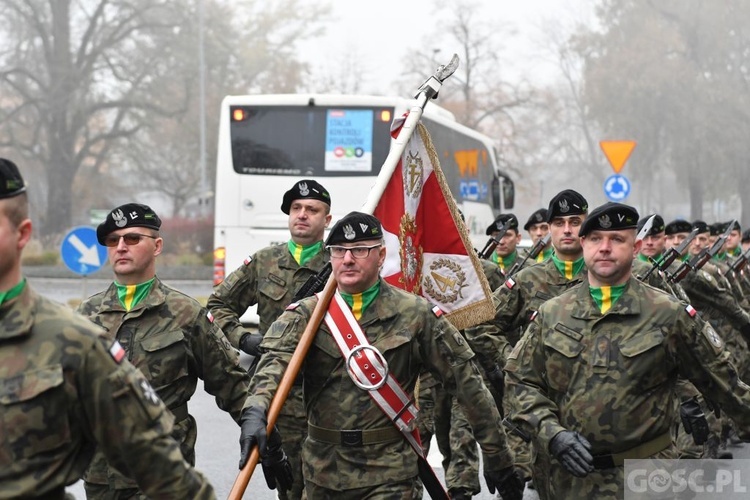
(509, 193)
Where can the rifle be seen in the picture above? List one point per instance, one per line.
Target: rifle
(494, 241)
(428, 90)
(314, 283)
(700, 260)
(670, 256)
(739, 263)
(533, 253)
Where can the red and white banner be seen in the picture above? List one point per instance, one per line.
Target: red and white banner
(428, 248)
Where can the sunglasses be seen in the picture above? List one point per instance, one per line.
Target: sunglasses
(130, 239)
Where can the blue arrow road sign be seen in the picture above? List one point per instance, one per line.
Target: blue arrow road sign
(617, 187)
(81, 252)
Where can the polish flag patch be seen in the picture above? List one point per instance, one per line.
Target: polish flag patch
(437, 311)
(248, 259)
(292, 306)
(117, 352)
(210, 316)
(510, 283)
(691, 311)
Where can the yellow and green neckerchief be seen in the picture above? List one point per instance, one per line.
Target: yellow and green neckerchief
(361, 301)
(730, 253)
(545, 254)
(504, 262)
(606, 296)
(302, 254)
(568, 268)
(132, 295)
(13, 292)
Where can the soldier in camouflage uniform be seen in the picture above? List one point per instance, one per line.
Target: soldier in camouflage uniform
(505, 254)
(520, 297)
(65, 389)
(269, 278)
(169, 336)
(353, 450)
(593, 376)
(538, 227)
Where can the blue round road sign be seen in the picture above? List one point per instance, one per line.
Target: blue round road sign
(617, 187)
(81, 252)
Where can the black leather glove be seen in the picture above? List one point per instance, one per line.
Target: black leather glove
(249, 343)
(275, 464)
(573, 452)
(694, 420)
(507, 482)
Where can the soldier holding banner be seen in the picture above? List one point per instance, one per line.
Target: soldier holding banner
(353, 449)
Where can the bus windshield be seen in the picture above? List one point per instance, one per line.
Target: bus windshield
(309, 141)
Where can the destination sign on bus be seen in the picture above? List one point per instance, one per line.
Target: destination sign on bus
(349, 140)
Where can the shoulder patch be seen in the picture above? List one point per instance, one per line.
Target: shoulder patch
(713, 338)
(437, 311)
(510, 283)
(248, 260)
(691, 311)
(148, 392)
(292, 306)
(210, 316)
(117, 352)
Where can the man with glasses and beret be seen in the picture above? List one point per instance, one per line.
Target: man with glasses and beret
(269, 278)
(166, 334)
(593, 378)
(66, 389)
(354, 449)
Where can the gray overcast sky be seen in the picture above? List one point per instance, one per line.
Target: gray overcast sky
(380, 32)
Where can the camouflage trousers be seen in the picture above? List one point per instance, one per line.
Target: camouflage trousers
(403, 490)
(292, 425)
(441, 415)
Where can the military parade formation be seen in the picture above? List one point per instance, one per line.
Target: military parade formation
(616, 336)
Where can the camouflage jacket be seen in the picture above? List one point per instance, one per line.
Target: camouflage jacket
(515, 303)
(62, 391)
(171, 339)
(269, 279)
(713, 298)
(411, 337)
(493, 273)
(612, 377)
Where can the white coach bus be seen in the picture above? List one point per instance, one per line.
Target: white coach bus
(267, 142)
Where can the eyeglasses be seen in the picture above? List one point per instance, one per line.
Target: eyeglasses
(130, 239)
(357, 252)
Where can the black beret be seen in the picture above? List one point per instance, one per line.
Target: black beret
(355, 226)
(678, 226)
(735, 225)
(536, 218)
(609, 217)
(717, 228)
(701, 225)
(11, 182)
(500, 222)
(128, 215)
(305, 189)
(567, 202)
(656, 227)
(746, 236)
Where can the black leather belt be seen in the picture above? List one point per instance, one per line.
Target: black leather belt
(354, 437)
(643, 450)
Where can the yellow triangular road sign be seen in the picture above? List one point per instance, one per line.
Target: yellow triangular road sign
(617, 152)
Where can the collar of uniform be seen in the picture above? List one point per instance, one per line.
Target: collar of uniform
(628, 304)
(17, 315)
(156, 297)
(384, 307)
(315, 263)
(556, 278)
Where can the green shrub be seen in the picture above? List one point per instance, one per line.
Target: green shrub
(41, 259)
